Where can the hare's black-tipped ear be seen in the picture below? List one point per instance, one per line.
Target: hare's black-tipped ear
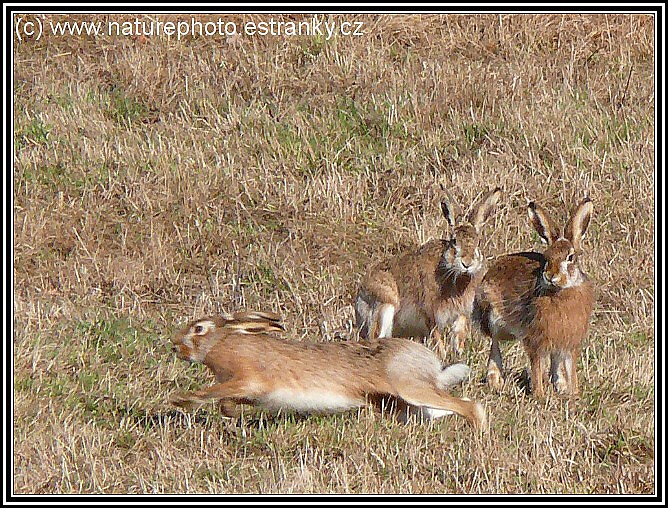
(542, 223)
(449, 208)
(257, 316)
(484, 208)
(446, 209)
(254, 322)
(578, 223)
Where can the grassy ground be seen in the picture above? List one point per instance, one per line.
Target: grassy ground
(158, 180)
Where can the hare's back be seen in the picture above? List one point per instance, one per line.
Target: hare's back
(422, 259)
(513, 273)
(320, 362)
(415, 272)
(507, 290)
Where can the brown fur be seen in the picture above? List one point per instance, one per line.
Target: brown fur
(254, 367)
(544, 300)
(430, 288)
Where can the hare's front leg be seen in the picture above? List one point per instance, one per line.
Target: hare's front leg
(229, 408)
(564, 372)
(436, 337)
(459, 329)
(233, 389)
(558, 374)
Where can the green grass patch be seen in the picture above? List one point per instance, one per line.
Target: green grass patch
(125, 109)
(35, 133)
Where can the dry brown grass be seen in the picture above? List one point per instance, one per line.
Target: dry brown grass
(157, 180)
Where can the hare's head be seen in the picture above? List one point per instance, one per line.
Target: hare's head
(561, 268)
(194, 341)
(463, 253)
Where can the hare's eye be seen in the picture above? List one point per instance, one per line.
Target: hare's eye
(199, 329)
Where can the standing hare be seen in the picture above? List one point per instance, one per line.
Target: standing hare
(544, 300)
(430, 289)
(253, 367)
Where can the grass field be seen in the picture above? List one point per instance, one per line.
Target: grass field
(157, 180)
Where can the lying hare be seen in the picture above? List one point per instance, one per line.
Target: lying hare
(429, 289)
(544, 300)
(253, 367)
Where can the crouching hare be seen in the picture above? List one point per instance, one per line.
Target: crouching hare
(254, 367)
(430, 289)
(545, 300)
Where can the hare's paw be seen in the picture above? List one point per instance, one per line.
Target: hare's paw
(457, 344)
(185, 401)
(229, 408)
(494, 378)
(561, 385)
(481, 422)
(460, 331)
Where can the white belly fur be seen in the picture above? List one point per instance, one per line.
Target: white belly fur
(314, 400)
(445, 318)
(408, 322)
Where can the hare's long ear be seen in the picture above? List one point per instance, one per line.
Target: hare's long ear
(449, 208)
(256, 322)
(484, 208)
(255, 327)
(446, 209)
(542, 223)
(578, 223)
(257, 316)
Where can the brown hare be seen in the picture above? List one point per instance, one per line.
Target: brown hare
(545, 300)
(430, 289)
(253, 367)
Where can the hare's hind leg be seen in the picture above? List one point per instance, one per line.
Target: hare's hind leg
(374, 320)
(377, 303)
(427, 395)
(386, 320)
(495, 365)
(570, 366)
(382, 322)
(362, 316)
(537, 374)
(489, 323)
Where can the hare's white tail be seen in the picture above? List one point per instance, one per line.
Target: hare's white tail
(453, 375)
(386, 319)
